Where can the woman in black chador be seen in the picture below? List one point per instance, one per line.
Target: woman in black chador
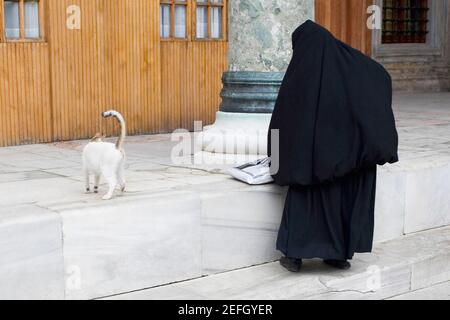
(336, 124)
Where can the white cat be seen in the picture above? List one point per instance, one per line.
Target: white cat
(107, 159)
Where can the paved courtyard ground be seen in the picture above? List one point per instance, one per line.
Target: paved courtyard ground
(45, 181)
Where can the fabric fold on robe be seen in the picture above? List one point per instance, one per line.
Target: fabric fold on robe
(336, 124)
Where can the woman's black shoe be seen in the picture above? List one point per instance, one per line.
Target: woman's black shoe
(291, 264)
(338, 264)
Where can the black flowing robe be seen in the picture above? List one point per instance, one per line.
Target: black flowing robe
(336, 124)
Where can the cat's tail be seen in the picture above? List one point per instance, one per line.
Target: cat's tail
(123, 130)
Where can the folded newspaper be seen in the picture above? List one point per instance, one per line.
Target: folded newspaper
(253, 173)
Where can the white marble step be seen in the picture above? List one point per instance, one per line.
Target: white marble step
(404, 268)
(439, 291)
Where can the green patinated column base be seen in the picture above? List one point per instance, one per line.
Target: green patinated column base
(250, 92)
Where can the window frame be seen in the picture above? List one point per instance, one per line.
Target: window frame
(209, 6)
(173, 3)
(191, 21)
(402, 21)
(22, 38)
(437, 16)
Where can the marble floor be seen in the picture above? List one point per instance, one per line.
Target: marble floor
(82, 247)
(439, 291)
(423, 123)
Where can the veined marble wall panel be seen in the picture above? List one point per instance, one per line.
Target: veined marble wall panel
(260, 32)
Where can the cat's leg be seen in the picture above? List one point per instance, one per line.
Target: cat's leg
(110, 175)
(121, 177)
(86, 180)
(97, 182)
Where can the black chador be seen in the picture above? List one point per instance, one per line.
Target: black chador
(335, 121)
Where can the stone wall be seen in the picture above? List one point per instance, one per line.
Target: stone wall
(430, 75)
(260, 32)
(420, 68)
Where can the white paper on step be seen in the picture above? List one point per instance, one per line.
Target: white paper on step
(253, 173)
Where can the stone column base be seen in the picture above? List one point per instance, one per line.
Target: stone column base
(237, 133)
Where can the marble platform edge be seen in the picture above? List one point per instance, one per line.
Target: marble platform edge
(395, 268)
